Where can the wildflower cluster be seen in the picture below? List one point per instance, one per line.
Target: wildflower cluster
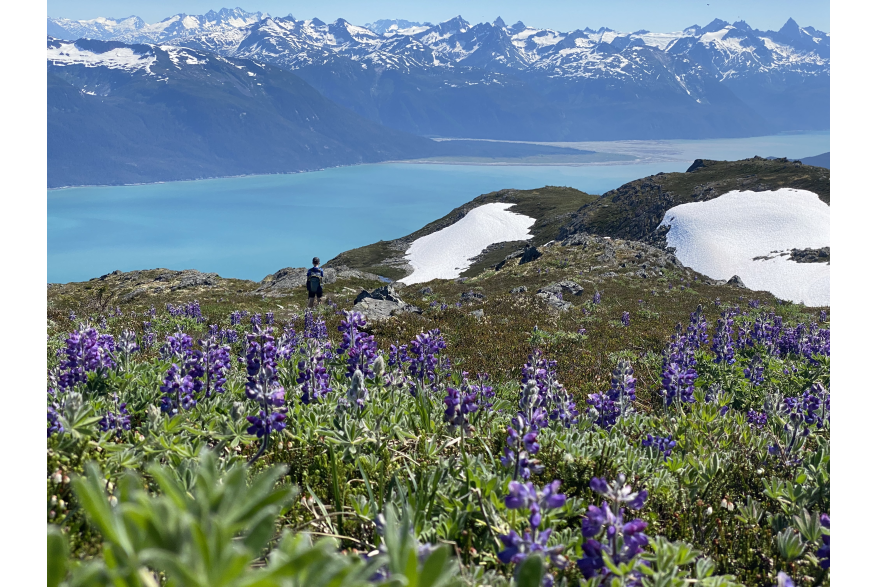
(605, 531)
(190, 310)
(663, 445)
(117, 419)
(459, 403)
(546, 391)
(85, 351)
(421, 359)
(360, 347)
(607, 407)
(263, 387)
(524, 496)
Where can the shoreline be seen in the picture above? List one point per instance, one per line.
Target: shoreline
(642, 159)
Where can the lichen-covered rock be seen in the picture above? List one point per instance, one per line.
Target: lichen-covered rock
(563, 287)
(382, 303)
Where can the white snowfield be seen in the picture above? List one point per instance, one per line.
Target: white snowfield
(120, 58)
(446, 253)
(720, 238)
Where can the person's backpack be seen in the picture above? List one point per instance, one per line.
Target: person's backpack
(314, 282)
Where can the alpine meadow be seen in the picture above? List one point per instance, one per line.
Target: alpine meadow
(534, 386)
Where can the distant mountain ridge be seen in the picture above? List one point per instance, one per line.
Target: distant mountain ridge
(491, 80)
(121, 113)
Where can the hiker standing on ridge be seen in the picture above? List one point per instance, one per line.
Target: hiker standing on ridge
(314, 282)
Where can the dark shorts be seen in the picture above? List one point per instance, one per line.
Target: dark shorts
(316, 294)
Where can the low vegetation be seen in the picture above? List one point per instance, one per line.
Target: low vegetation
(491, 440)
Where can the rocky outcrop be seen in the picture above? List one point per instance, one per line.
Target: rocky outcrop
(526, 255)
(382, 303)
(471, 296)
(192, 278)
(565, 287)
(822, 255)
(292, 278)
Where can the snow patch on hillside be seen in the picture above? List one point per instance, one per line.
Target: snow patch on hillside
(721, 238)
(446, 253)
(120, 58)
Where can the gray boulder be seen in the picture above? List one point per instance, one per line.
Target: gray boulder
(471, 296)
(192, 278)
(530, 253)
(735, 281)
(555, 301)
(382, 303)
(563, 287)
(292, 278)
(519, 289)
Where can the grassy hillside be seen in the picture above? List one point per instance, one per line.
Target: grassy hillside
(632, 211)
(551, 206)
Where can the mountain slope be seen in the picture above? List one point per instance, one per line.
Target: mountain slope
(133, 113)
(632, 212)
(491, 80)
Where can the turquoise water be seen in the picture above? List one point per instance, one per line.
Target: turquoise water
(248, 227)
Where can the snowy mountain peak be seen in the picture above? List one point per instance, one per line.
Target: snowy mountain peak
(499, 22)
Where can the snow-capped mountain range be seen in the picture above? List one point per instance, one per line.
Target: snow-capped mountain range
(492, 80)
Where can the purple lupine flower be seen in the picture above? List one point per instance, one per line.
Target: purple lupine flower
(235, 318)
(421, 359)
(824, 552)
(217, 363)
(289, 343)
(723, 345)
(360, 347)
(263, 387)
(312, 374)
(460, 403)
(269, 318)
(127, 343)
(803, 413)
(85, 351)
(696, 335)
(256, 321)
(677, 383)
(483, 391)
(756, 419)
(541, 389)
(823, 316)
(315, 327)
(522, 443)
(663, 445)
(754, 303)
(54, 421)
(519, 547)
(625, 318)
(178, 389)
(755, 371)
(783, 580)
(597, 297)
(605, 531)
(618, 401)
(190, 310)
(148, 338)
(116, 419)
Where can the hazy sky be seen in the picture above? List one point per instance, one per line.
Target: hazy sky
(564, 15)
